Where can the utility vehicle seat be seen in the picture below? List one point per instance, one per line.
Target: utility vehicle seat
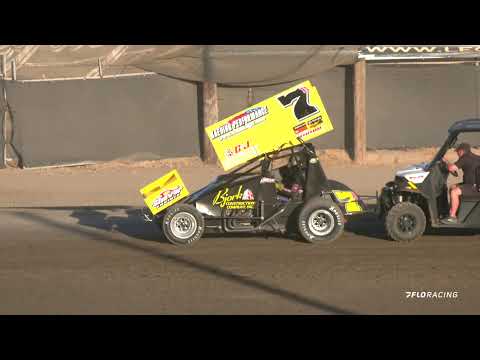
(474, 197)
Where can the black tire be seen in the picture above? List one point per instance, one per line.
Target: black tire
(183, 225)
(405, 222)
(331, 220)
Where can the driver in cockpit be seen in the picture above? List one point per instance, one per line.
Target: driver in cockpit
(287, 179)
(468, 162)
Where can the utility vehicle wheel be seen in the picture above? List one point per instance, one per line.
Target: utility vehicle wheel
(320, 221)
(183, 225)
(405, 222)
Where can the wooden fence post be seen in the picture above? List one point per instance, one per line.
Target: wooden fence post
(100, 68)
(359, 117)
(4, 66)
(250, 97)
(210, 116)
(14, 70)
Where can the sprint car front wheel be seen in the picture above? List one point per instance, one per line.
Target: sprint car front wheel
(320, 221)
(183, 225)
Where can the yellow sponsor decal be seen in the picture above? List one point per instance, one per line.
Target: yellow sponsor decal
(412, 185)
(263, 127)
(239, 200)
(164, 192)
(349, 199)
(352, 207)
(344, 196)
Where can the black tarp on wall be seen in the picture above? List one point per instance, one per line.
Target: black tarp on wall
(414, 105)
(149, 117)
(98, 120)
(156, 117)
(2, 139)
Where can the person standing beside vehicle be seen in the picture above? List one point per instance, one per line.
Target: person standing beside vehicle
(468, 162)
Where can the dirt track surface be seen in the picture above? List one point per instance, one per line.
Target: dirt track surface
(73, 243)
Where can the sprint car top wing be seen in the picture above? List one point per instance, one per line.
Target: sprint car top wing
(295, 113)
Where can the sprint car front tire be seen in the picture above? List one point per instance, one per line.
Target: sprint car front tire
(320, 221)
(183, 225)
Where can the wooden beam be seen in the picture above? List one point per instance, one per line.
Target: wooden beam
(210, 116)
(359, 109)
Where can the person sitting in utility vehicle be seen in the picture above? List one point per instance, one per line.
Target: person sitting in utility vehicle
(468, 162)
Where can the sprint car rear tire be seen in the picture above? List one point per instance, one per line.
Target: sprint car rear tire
(405, 222)
(320, 221)
(183, 225)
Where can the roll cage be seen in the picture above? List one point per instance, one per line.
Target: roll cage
(315, 182)
(469, 125)
(284, 151)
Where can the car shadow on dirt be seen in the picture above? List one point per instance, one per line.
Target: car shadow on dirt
(370, 226)
(130, 222)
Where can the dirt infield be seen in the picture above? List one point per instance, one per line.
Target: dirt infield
(73, 242)
(119, 183)
(106, 261)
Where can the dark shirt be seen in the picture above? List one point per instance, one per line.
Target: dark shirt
(468, 163)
